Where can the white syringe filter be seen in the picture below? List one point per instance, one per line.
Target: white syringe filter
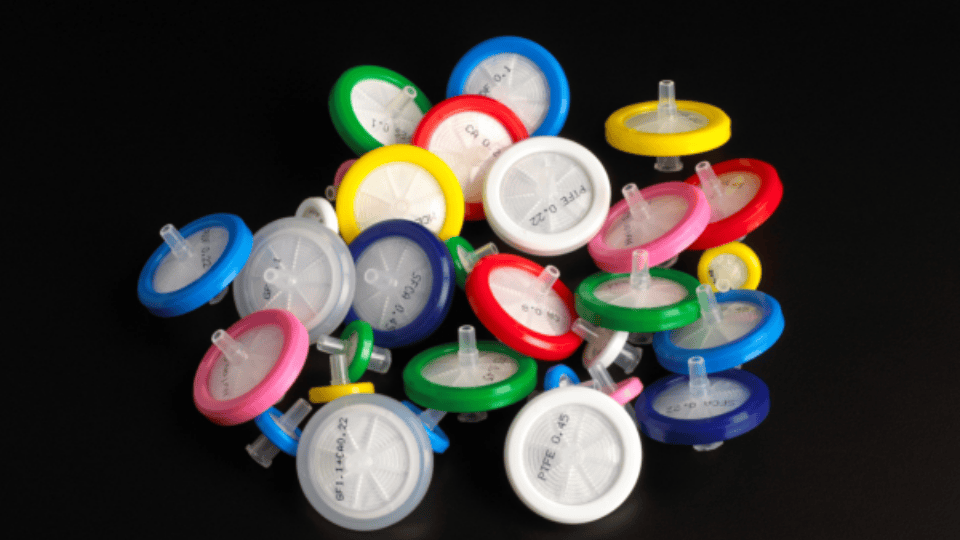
(606, 347)
(319, 209)
(572, 455)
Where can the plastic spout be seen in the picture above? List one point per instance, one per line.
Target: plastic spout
(175, 241)
(640, 271)
(709, 308)
(331, 345)
(378, 279)
(667, 115)
(639, 207)
(233, 351)
(280, 278)
(263, 450)
(406, 95)
(468, 259)
(467, 352)
(601, 379)
(699, 383)
(545, 281)
(628, 359)
(338, 370)
(709, 183)
(431, 417)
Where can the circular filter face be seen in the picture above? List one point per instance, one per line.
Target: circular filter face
(723, 396)
(364, 462)
(572, 455)
(512, 289)
(491, 368)
(400, 190)
(683, 121)
(310, 270)
(469, 142)
(173, 274)
(661, 292)
(515, 81)
(370, 100)
(665, 213)
(739, 319)
(728, 268)
(263, 345)
(404, 265)
(546, 192)
(739, 188)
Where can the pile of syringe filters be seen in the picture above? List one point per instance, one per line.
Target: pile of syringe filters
(386, 262)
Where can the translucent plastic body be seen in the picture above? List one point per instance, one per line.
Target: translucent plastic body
(400, 190)
(572, 455)
(364, 462)
(356, 347)
(386, 111)
(727, 193)
(469, 142)
(530, 300)
(395, 283)
(606, 347)
(250, 366)
(280, 433)
(515, 81)
(303, 267)
(189, 257)
(663, 219)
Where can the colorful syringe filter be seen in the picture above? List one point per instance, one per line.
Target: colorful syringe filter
(524, 305)
(468, 133)
(667, 128)
(364, 462)
(663, 219)
(644, 300)
(702, 412)
(250, 366)
(469, 377)
(546, 196)
(730, 266)
(734, 327)
(405, 282)
(195, 265)
(372, 106)
(522, 75)
(742, 193)
(279, 432)
(301, 265)
(399, 181)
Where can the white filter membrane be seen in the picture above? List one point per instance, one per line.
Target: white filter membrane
(723, 396)
(515, 81)
(546, 192)
(173, 274)
(364, 461)
(738, 189)
(683, 121)
(469, 142)
(665, 213)
(369, 99)
(661, 292)
(263, 346)
(491, 368)
(573, 454)
(729, 267)
(400, 190)
(512, 289)
(739, 318)
(312, 264)
(393, 307)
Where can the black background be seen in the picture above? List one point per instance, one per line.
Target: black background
(127, 118)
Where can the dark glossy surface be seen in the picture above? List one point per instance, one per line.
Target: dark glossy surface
(229, 110)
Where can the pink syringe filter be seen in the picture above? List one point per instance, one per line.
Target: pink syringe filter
(250, 367)
(663, 219)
